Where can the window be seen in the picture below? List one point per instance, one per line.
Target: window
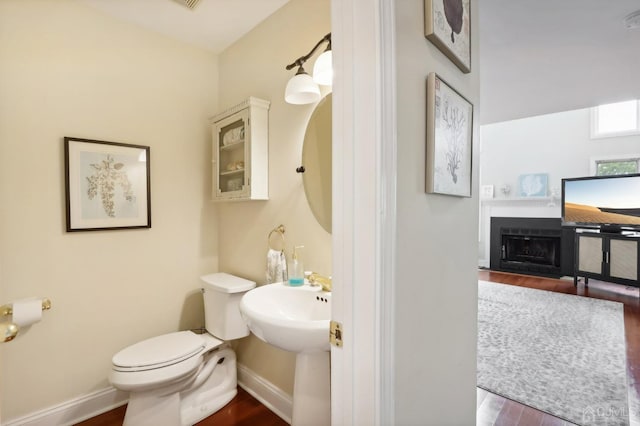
(619, 119)
(621, 165)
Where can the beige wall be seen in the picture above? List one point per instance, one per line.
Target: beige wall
(255, 66)
(67, 70)
(436, 277)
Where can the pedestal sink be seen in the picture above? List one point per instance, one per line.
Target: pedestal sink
(296, 319)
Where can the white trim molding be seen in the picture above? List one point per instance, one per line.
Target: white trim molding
(75, 410)
(387, 218)
(364, 211)
(271, 396)
(85, 407)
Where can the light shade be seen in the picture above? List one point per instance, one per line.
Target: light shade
(323, 69)
(301, 89)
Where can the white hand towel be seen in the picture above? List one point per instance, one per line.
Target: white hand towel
(276, 266)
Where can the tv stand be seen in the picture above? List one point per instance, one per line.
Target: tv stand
(612, 257)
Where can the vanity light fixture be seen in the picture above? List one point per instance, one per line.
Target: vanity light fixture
(301, 88)
(323, 68)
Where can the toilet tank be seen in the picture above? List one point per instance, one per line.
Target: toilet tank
(222, 293)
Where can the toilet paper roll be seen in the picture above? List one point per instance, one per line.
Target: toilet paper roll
(27, 311)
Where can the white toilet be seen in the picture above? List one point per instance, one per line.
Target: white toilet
(181, 378)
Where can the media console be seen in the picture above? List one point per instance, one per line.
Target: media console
(611, 257)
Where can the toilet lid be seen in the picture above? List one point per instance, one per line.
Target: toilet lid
(226, 283)
(160, 351)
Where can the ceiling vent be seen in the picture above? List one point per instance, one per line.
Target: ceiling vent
(191, 4)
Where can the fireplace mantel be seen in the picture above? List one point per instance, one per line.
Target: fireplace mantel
(543, 201)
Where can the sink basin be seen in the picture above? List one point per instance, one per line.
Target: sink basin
(295, 319)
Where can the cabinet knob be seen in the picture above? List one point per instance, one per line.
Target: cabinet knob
(300, 169)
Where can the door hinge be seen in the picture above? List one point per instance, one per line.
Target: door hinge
(335, 334)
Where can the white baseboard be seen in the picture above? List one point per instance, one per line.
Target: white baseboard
(74, 410)
(272, 397)
(95, 403)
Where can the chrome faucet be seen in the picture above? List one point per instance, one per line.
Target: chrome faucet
(317, 279)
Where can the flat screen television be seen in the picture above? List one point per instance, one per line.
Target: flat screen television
(610, 203)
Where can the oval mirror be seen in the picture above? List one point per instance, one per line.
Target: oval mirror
(316, 159)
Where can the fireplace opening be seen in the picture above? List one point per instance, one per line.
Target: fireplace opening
(531, 249)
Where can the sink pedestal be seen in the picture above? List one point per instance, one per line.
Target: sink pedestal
(296, 319)
(312, 389)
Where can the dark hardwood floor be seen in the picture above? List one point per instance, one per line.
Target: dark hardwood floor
(496, 410)
(243, 410)
(491, 409)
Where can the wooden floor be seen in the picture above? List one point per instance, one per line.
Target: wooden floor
(491, 409)
(243, 410)
(496, 410)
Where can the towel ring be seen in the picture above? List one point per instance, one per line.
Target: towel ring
(280, 230)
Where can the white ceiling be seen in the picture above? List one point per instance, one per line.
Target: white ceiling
(212, 24)
(536, 56)
(544, 56)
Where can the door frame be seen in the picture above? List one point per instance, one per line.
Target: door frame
(364, 210)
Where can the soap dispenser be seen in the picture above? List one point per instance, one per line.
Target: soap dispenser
(296, 269)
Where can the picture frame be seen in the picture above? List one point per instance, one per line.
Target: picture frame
(533, 185)
(449, 145)
(486, 192)
(447, 24)
(107, 185)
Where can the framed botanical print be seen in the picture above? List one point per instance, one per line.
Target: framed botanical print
(107, 185)
(449, 139)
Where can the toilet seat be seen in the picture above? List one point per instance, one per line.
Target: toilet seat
(158, 361)
(159, 352)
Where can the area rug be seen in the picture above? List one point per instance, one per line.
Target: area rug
(558, 353)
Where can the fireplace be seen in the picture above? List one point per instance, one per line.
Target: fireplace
(531, 249)
(538, 246)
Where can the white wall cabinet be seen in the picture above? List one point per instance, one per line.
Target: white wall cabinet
(240, 151)
(608, 257)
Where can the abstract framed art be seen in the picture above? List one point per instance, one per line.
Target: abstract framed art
(447, 24)
(107, 185)
(449, 139)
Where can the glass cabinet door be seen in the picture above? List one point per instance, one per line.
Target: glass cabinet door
(231, 159)
(240, 152)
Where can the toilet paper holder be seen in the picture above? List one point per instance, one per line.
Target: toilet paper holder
(7, 309)
(9, 330)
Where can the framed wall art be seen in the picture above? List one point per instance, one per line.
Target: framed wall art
(533, 185)
(486, 192)
(447, 24)
(449, 139)
(107, 185)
